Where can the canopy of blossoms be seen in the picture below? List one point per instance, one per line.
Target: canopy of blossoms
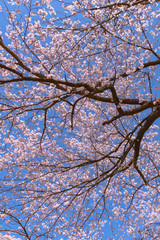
(79, 115)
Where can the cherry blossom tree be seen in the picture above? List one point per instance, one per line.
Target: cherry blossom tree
(79, 110)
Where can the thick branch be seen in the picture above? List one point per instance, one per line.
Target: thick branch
(126, 4)
(116, 100)
(11, 70)
(149, 121)
(131, 112)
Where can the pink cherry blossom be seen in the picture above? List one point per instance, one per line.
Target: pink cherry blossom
(79, 119)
